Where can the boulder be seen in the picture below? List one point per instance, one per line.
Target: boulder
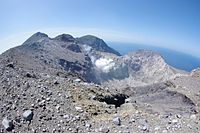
(28, 115)
(117, 121)
(8, 124)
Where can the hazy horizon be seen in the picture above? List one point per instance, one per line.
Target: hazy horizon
(179, 60)
(167, 24)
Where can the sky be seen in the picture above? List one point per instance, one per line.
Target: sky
(173, 24)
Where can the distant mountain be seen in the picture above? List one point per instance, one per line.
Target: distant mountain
(89, 57)
(97, 44)
(51, 55)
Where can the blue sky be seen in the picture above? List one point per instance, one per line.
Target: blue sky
(173, 24)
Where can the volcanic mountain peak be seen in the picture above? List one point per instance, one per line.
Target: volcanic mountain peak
(97, 44)
(36, 37)
(91, 58)
(65, 37)
(39, 34)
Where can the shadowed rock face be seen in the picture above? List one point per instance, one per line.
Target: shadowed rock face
(97, 44)
(65, 38)
(74, 48)
(70, 65)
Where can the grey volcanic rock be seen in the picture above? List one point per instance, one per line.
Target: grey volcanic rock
(97, 44)
(56, 79)
(74, 47)
(195, 72)
(117, 121)
(161, 98)
(8, 124)
(34, 38)
(90, 58)
(148, 65)
(65, 38)
(28, 115)
(42, 53)
(138, 69)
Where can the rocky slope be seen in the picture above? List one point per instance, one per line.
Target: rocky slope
(142, 68)
(66, 84)
(96, 44)
(89, 57)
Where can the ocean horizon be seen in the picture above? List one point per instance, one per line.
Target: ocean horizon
(174, 58)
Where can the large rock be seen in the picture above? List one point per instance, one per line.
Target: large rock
(8, 124)
(28, 115)
(117, 121)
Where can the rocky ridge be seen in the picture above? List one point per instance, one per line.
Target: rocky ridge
(62, 85)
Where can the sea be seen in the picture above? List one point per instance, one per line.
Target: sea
(174, 58)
